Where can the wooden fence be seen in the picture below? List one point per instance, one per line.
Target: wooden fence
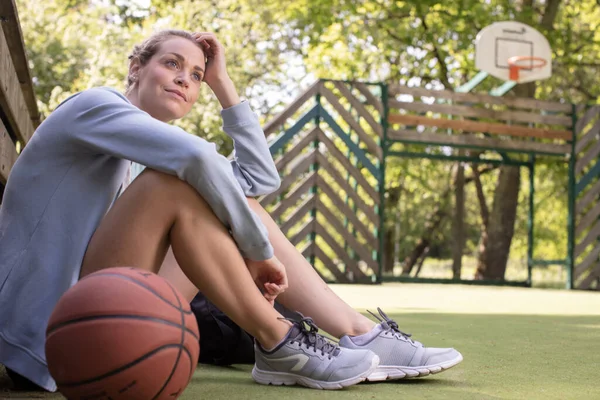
(586, 252)
(330, 146)
(330, 156)
(19, 114)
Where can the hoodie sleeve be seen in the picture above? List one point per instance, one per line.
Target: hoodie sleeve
(103, 121)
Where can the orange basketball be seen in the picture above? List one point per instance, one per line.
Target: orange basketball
(122, 333)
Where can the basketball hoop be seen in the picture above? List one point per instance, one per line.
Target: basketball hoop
(514, 67)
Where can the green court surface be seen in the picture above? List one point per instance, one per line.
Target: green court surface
(517, 344)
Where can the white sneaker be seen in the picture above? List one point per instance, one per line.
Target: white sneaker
(400, 356)
(306, 358)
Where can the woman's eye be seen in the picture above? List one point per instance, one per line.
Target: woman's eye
(197, 77)
(172, 63)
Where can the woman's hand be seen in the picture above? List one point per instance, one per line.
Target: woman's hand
(216, 69)
(269, 275)
(216, 76)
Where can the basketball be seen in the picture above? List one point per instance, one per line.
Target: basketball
(122, 333)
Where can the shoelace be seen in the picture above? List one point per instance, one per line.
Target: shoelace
(311, 337)
(392, 324)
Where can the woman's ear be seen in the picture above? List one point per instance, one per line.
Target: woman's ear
(134, 69)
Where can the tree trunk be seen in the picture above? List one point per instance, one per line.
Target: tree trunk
(496, 239)
(458, 227)
(433, 222)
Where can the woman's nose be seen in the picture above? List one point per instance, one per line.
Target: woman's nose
(181, 81)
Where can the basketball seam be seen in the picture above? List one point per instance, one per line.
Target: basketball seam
(117, 370)
(54, 328)
(181, 346)
(139, 283)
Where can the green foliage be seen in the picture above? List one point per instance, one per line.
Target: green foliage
(75, 44)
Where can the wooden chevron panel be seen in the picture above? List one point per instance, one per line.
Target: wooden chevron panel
(357, 105)
(298, 214)
(299, 169)
(373, 147)
(369, 212)
(356, 174)
(347, 211)
(280, 119)
(370, 98)
(330, 265)
(306, 229)
(284, 160)
(340, 252)
(295, 193)
(357, 247)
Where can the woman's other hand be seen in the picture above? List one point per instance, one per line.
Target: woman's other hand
(269, 275)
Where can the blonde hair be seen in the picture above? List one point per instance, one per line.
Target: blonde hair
(144, 51)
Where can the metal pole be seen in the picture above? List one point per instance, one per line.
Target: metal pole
(571, 200)
(381, 209)
(313, 190)
(531, 218)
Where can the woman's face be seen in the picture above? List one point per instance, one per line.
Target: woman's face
(169, 84)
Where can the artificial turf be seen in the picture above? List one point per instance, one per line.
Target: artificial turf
(526, 346)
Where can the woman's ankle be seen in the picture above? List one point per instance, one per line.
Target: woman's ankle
(271, 338)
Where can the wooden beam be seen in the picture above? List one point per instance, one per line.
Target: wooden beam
(308, 250)
(468, 111)
(306, 229)
(8, 154)
(369, 97)
(586, 220)
(373, 147)
(484, 127)
(356, 174)
(362, 111)
(587, 198)
(592, 276)
(589, 260)
(339, 251)
(301, 167)
(591, 236)
(590, 155)
(276, 122)
(281, 162)
(300, 212)
(350, 191)
(14, 38)
(591, 135)
(517, 102)
(330, 265)
(471, 141)
(359, 248)
(586, 118)
(296, 193)
(12, 101)
(348, 213)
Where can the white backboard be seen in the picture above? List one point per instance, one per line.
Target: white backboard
(498, 42)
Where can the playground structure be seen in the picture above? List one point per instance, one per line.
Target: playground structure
(331, 145)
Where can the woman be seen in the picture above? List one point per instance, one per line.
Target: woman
(189, 217)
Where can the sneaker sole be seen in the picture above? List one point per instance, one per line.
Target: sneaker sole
(284, 378)
(391, 372)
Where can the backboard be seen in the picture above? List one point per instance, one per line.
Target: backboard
(496, 44)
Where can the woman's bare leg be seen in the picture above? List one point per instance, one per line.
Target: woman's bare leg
(157, 210)
(171, 271)
(307, 292)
